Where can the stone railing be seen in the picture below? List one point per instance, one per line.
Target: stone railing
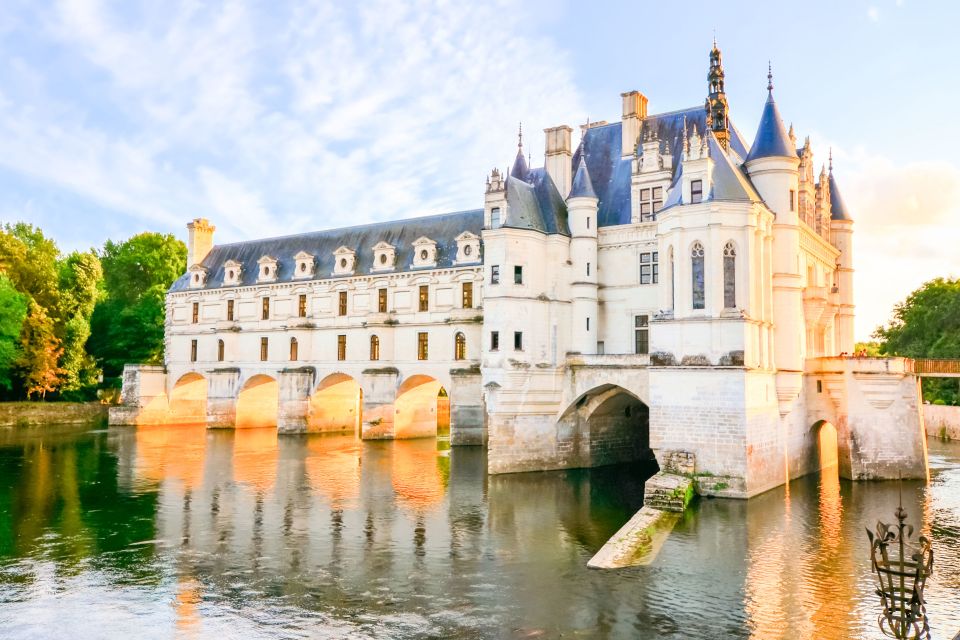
(608, 360)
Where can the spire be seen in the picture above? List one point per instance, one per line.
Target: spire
(838, 210)
(772, 139)
(582, 185)
(769, 77)
(831, 160)
(520, 167)
(520, 136)
(716, 103)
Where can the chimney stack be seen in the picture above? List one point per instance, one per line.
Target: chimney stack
(634, 111)
(558, 157)
(199, 240)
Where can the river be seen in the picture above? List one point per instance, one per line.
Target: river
(180, 532)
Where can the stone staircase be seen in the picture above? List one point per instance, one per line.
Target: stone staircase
(668, 492)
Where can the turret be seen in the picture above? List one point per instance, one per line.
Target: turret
(582, 211)
(841, 236)
(716, 103)
(495, 201)
(772, 162)
(199, 240)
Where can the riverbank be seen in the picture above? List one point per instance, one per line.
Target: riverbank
(28, 414)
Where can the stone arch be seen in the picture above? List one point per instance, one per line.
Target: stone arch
(422, 408)
(607, 425)
(188, 399)
(336, 405)
(826, 452)
(258, 402)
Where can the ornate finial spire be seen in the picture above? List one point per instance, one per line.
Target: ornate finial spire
(520, 136)
(769, 76)
(716, 103)
(831, 160)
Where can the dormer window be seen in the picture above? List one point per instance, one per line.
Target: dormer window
(344, 260)
(384, 256)
(303, 265)
(198, 276)
(468, 248)
(267, 269)
(696, 191)
(232, 272)
(651, 201)
(424, 252)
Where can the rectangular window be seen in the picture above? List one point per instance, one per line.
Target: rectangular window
(651, 201)
(819, 386)
(342, 309)
(374, 348)
(219, 350)
(793, 200)
(494, 341)
(424, 297)
(294, 349)
(641, 335)
(588, 222)
(588, 268)
(422, 346)
(263, 349)
(588, 324)
(382, 300)
(265, 309)
(495, 274)
(302, 306)
(649, 267)
(193, 351)
(468, 295)
(341, 347)
(495, 218)
(698, 284)
(230, 310)
(518, 275)
(518, 340)
(696, 191)
(196, 312)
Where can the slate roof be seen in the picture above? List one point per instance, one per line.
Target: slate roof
(443, 229)
(582, 185)
(838, 210)
(535, 203)
(772, 139)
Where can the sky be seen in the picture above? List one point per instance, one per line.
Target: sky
(278, 117)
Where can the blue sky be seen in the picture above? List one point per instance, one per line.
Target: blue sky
(277, 117)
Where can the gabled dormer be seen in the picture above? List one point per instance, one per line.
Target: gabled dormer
(651, 176)
(384, 257)
(424, 252)
(198, 276)
(304, 265)
(495, 201)
(344, 261)
(267, 269)
(697, 168)
(232, 272)
(468, 248)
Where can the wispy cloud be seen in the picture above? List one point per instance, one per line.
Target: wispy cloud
(873, 13)
(274, 118)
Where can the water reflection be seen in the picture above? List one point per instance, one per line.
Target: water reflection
(190, 533)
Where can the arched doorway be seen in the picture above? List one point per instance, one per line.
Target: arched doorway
(827, 449)
(422, 407)
(188, 400)
(336, 405)
(607, 425)
(258, 403)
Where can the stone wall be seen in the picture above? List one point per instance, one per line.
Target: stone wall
(39, 413)
(940, 420)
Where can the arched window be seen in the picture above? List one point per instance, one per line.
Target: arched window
(696, 264)
(460, 347)
(374, 348)
(729, 276)
(219, 350)
(294, 349)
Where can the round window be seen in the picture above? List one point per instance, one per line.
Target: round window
(343, 263)
(383, 258)
(467, 250)
(303, 267)
(424, 254)
(230, 275)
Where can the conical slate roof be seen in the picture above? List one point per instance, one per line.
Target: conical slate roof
(519, 169)
(582, 185)
(772, 138)
(838, 210)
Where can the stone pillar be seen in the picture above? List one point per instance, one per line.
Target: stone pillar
(295, 387)
(467, 413)
(222, 397)
(379, 395)
(143, 399)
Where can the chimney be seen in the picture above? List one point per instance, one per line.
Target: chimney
(199, 240)
(558, 157)
(634, 111)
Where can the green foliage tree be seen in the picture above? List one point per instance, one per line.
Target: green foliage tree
(80, 286)
(927, 325)
(128, 322)
(13, 311)
(30, 260)
(40, 353)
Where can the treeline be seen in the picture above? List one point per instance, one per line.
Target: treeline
(68, 323)
(927, 325)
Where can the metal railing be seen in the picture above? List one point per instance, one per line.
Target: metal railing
(936, 367)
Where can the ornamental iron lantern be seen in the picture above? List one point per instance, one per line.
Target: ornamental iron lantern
(902, 567)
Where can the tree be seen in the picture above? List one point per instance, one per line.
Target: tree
(80, 286)
(30, 261)
(13, 310)
(927, 325)
(128, 322)
(40, 353)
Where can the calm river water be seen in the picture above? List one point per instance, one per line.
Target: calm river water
(185, 533)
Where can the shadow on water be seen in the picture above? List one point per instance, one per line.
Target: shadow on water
(184, 532)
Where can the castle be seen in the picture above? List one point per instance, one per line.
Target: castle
(663, 288)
